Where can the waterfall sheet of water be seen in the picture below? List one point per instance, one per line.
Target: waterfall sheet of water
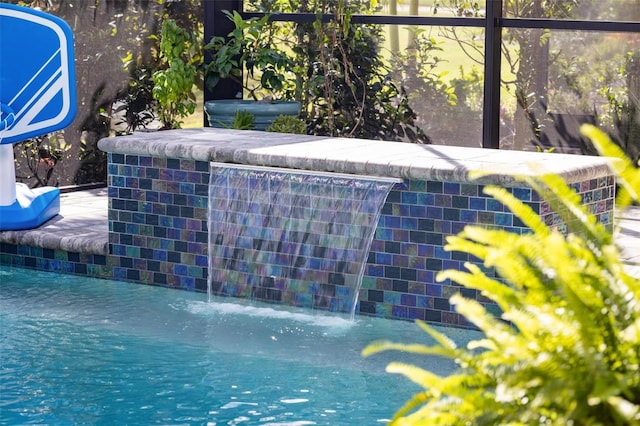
(288, 236)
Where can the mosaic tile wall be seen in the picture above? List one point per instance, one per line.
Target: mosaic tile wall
(158, 235)
(91, 265)
(158, 220)
(408, 249)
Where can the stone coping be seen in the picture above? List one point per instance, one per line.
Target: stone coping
(87, 243)
(355, 156)
(80, 227)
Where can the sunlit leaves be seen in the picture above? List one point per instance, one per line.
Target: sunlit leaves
(173, 83)
(252, 45)
(565, 348)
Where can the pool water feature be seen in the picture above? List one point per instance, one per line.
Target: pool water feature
(159, 191)
(291, 236)
(78, 350)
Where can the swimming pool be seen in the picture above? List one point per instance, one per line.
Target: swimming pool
(76, 350)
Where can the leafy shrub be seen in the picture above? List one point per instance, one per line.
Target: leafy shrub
(106, 34)
(288, 124)
(566, 348)
(36, 159)
(133, 108)
(339, 74)
(252, 45)
(350, 90)
(243, 120)
(418, 71)
(173, 83)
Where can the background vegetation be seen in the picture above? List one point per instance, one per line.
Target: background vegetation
(117, 51)
(369, 81)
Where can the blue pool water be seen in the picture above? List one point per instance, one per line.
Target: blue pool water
(75, 350)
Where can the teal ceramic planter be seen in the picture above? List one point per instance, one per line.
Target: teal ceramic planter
(221, 113)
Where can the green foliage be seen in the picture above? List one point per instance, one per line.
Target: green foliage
(623, 115)
(106, 34)
(347, 83)
(252, 44)
(135, 102)
(566, 348)
(547, 150)
(173, 83)
(333, 68)
(243, 120)
(102, 32)
(288, 124)
(419, 72)
(626, 170)
(36, 160)
(462, 8)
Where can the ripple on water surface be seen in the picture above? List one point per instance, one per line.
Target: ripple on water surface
(76, 350)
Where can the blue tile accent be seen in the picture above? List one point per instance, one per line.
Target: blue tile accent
(434, 213)
(522, 194)
(469, 216)
(494, 205)
(409, 197)
(477, 203)
(451, 188)
(503, 219)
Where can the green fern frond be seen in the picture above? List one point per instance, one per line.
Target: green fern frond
(514, 257)
(384, 345)
(566, 347)
(418, 400)
(521, 210)
(565, 202)
(419, 376)
(504, 296)
(440, 338)
(500, 333)
(629, 413)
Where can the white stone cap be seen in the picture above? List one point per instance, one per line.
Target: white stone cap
(356, 156)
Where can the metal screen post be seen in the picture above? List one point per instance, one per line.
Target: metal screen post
(216, 23)
(492, 64)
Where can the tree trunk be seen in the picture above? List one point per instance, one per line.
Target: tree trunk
(394, 38)
(414, 8)
(633, 85)
(531, 80)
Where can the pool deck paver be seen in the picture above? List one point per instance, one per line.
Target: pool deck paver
(82, 226)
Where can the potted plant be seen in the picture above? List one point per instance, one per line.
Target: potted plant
(268, 79)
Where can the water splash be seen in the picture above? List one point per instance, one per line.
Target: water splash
(332, 322)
